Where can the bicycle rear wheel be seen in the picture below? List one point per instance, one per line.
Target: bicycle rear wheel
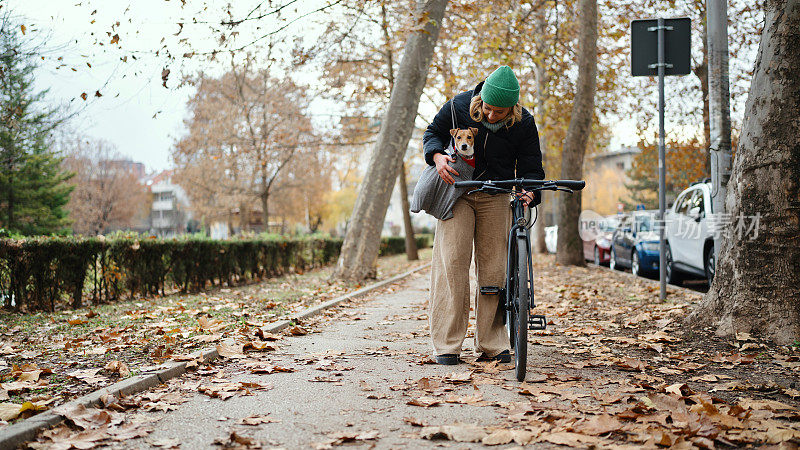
(521, 301)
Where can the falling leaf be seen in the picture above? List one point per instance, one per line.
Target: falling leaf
(22, 28)
(115, 39)
(164, 76)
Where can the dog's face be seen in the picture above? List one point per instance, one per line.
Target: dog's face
(465, 141)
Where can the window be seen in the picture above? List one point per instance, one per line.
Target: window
(621, 166)
(700, 202)
(681, 203)
(695, 204)
(644, 223)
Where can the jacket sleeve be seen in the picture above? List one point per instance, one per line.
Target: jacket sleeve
(529, 159)
(437, 135)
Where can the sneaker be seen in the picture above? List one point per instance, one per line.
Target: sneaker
(503, 357)
(448, 359)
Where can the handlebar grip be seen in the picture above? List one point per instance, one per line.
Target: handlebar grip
(468, 184)
(575, 185)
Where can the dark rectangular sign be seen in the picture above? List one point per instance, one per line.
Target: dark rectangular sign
(677, 47)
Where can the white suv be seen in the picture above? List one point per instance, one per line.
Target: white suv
(689, 234)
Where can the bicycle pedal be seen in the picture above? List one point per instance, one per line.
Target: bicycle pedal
(537, 322)
(490, 290)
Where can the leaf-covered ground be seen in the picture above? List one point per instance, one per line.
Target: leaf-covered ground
(615, 369)
(48, 359)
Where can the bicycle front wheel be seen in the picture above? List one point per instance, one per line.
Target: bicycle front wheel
(521, 302)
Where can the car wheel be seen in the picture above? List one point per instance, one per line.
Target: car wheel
(672, 276)
(635, 264)
(596, 256)
(710, 266)
(612, 261)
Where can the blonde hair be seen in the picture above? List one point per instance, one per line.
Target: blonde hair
(476, 111)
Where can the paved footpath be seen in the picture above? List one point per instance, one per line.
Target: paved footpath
(355, 372)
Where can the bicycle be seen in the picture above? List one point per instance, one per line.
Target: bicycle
(517, 299)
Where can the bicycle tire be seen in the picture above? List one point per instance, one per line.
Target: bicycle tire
(511, 294)
(521, 304)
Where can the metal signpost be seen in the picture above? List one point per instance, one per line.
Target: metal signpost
(661, 47)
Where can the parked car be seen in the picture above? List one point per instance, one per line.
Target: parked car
(598, 250)
(690, 239)
(635, 243)
(551, 238)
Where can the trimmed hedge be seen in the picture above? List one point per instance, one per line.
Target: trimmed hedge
(45, 272)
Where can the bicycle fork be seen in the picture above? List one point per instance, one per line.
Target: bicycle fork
(536, 322)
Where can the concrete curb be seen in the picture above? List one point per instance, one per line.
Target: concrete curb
(16, 435)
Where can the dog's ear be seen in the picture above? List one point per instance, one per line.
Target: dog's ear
(474, 131)
(453, 132)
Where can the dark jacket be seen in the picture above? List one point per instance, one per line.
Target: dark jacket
(497, 155)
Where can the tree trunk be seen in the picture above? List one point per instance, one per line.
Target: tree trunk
(702, 73)
(757, 284)
(411, 241)
(265, 209)
(570, 246)
(538, 229)
(359, 254)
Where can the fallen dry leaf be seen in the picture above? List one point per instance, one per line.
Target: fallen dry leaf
(599, 424)
(257, 420)
(118, 367)
(226, 351)
(457, 432)
(423, 401)
(297, 330)
(498, 437)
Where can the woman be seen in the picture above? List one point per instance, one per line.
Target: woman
(506, 146)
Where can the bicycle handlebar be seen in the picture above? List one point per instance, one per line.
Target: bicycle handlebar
(575, 185)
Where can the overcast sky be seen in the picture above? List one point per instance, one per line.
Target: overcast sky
(135, 112)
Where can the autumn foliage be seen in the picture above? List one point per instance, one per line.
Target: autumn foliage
(686, 163)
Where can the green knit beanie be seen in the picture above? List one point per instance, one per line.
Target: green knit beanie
(501, 89)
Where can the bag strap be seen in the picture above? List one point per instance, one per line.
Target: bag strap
(453, 112)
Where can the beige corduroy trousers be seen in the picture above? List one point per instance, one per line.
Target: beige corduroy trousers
(483, 220)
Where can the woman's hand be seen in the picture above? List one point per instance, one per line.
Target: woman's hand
(527, 197)
(443, 168)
